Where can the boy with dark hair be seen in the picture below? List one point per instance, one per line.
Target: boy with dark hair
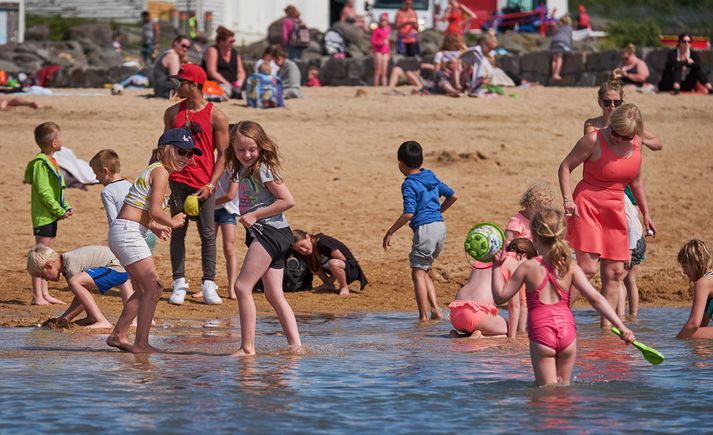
(48, 204)
(421, 191)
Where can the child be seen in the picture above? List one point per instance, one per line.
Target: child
(264, 197)
(226, 214)
(47, 198)
(548, 279)
(473, 312)
(264, 90)
(382, 49)
(107, 167)
(127, 236)
(696, 261)
(330, 259)
(267, 59)
(91, 267)
(313, 77)
(423, 211)
(448, 79)
(538, 196)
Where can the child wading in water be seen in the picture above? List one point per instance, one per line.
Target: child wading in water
(548, 279)
(423, 211)
(143, 206)
(263, 197)
(697, 263)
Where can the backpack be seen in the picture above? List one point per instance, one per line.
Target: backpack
(299, 36)
(264, 91)
(334, 44)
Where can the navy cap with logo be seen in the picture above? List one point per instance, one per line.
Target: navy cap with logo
(181, 138)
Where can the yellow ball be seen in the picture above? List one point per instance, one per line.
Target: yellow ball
(190, 205)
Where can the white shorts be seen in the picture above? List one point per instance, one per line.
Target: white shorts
(127, 240)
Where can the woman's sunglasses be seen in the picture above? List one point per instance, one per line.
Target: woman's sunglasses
(626, 138)
(184, 152)
(609, 103)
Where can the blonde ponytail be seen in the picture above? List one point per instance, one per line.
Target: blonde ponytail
(549, 228)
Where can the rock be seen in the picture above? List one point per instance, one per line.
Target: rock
(587, 79)
(535, 63)
(573, 63)
(105, 57)
(26, 62)
(332, 70)
(509, 63)
(657, 58)
(567, 80)
(604, 61)
(429, 48)
(99, 32)
(40, 32)
(431, 36)
(255, 50)
(90, 77)
(706, 59)
(9, 67)
(407, 63)
(355, 68)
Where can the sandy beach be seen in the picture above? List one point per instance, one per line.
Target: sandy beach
(340, 164)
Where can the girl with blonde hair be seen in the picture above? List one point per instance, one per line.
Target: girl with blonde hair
(697, 263)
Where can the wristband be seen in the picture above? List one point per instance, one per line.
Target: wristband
(211, 187)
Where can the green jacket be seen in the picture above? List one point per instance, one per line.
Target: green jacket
(48, 203)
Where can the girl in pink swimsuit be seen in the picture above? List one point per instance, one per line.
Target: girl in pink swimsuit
(547, 279)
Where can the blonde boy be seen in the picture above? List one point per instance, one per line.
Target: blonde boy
(87, 268)
(47, 199)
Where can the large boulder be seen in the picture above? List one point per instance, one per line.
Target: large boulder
(40, 32)
(9, 67)
(535, 63)
(99, 32)
(332, 70)
(603, 61)
(90, 77)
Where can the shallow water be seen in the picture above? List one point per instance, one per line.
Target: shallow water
(372, 373)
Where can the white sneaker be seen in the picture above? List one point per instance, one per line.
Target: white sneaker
(178, 295)
(210, 293)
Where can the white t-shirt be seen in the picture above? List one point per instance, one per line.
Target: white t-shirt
(113, 196)
(445, 56)
(221, 188)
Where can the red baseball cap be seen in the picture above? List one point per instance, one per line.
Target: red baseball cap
(192, 73)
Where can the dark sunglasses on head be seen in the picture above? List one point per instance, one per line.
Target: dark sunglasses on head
(184, 152)
(626, 138)
(608, 103)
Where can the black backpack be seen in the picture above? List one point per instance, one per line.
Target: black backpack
(297, 275)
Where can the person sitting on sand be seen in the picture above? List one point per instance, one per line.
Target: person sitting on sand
(6, 102)
(697, 263)
(683, 70)
(473, 311)
(634, 71)
(168, 64)
(330, 259)
(87, 268)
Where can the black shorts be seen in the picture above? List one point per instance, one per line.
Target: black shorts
(49, 230)
(276, 241)
(352, 271)
(638, 254)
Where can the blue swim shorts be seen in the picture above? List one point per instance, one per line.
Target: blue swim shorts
(106, 278)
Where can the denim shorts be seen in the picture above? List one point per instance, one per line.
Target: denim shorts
(223, 216)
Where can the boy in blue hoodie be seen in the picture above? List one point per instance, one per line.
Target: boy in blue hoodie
(422, 191)
(48, 204)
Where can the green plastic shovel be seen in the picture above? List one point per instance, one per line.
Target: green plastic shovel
(652, 355)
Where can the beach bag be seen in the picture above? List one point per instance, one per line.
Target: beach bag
(264, 91)
(299, 37)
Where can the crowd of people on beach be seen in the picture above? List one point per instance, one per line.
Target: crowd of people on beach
(220, 174)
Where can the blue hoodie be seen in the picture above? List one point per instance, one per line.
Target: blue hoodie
(422, 193)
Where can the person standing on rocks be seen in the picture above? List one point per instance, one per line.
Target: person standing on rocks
(149, 37)
(209, 127)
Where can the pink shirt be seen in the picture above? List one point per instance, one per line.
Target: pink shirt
(380, 39)
(520, 225)
(409, 32)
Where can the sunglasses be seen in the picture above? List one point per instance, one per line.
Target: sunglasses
(686, 41)
(184, 152)
(609, 103)
(185, 46)
(626, 138)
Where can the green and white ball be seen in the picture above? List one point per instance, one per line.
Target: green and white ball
(484, 241)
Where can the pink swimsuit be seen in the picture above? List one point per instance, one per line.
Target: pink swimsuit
(550, 325)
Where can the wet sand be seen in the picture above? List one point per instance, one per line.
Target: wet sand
(341, 167)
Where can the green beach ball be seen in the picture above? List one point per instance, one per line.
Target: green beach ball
(484, 241)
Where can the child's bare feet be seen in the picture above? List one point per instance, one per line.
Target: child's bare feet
(297, 349)
(104, 324)
(145, 349)
(121, 343)
(232, 295)
(54, 300)
(556, 77)
(39, 301)
(344, 292)
(436, 314)
(243, 352)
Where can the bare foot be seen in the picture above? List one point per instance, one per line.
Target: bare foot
(54, 300)
(297, 349)
(198, 295)
(233, 296)
(243, 352)
(344, 292)
(3, 104)
(100, 325)
(119, 343)
(145, 349)
(35, 105)
(475, 335)
(436, 314)
(36, 301)
(557, 77)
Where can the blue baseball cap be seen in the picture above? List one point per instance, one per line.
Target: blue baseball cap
(181, 138)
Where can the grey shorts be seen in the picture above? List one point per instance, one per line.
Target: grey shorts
(428, 242)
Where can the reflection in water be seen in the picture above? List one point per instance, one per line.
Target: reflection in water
(376, 372)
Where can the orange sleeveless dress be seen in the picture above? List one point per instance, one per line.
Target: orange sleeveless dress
(601, 227)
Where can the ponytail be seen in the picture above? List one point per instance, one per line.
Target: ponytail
(550, 229)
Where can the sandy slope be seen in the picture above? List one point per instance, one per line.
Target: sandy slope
(340, 165)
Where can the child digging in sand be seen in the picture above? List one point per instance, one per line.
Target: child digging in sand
(423, 211)
(88, 268)
(473, 312)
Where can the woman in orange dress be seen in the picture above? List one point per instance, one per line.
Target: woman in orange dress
(596, 219)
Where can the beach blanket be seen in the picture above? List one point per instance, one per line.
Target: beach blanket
(78, 168)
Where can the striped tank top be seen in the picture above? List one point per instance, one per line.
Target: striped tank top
(140, 192)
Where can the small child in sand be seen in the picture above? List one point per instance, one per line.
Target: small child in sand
(313, 77)
(697, 263)
(88, 268)
(473, 312)
(48, 204)
(548, 280)
(423, 211)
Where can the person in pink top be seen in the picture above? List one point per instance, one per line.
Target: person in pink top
(549, 281)
(407, 25)
(597, 220)
(382, 49)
